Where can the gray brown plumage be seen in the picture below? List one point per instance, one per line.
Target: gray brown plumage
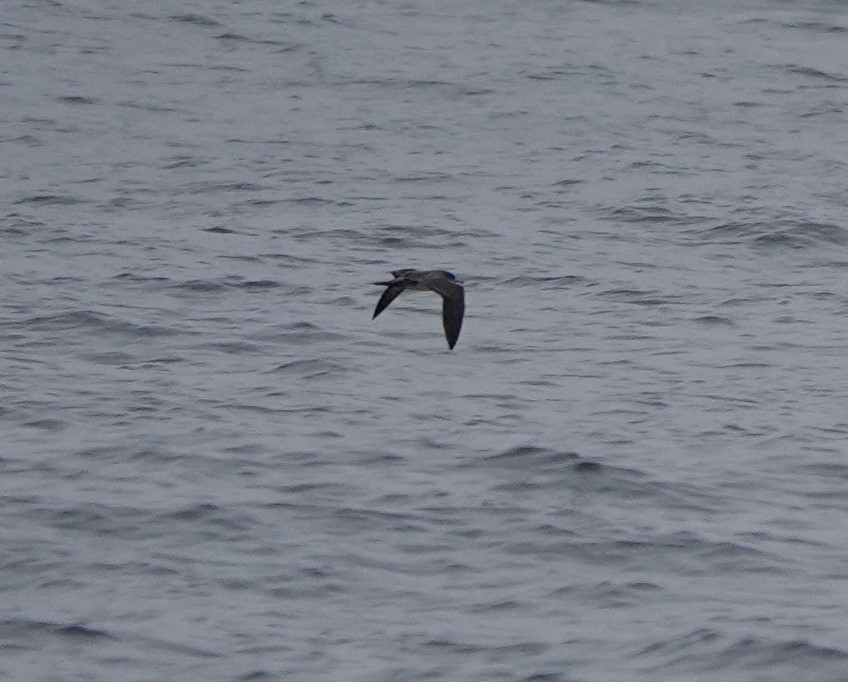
(442, 282)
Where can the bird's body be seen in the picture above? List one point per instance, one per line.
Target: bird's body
(442, 282)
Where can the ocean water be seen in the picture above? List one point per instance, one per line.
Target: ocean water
(216, 466)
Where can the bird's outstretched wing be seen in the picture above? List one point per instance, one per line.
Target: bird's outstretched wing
(453, 309)
(389, 295)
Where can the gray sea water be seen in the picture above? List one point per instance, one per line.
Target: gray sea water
(216, 466)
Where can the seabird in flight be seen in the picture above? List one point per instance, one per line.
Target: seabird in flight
(442, 282)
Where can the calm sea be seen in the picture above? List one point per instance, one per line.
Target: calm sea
(215, 466)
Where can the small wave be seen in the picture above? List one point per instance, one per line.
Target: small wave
(640, 297)
(47, 424)
(199, 285)
(424, 178)
(300, 333)
(109, 358)
(77, 99)
(534, 460)
(707, 650)
(311, 201)
(229, 35)
(780, 233)
(89, 320)
(50, 200)
(231, 347)
(207, 286)
(309, 369)
(553, 282)
(810, 72)
(139, 278)
(196, 19)
(257, 284)
(715, 321)
(204, 187)
(256, 676)
(652, 214)
(31, 628)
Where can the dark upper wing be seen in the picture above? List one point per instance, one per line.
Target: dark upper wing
(389, 295)
(453, 309)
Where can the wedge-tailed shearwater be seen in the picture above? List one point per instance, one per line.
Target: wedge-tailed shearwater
(442, 282)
